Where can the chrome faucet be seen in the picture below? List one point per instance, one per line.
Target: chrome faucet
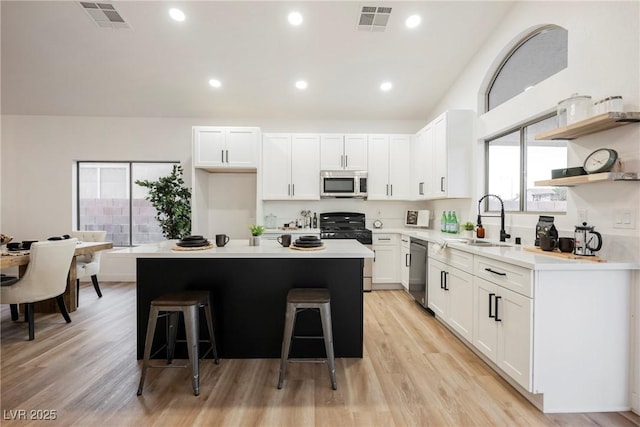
(503, 234)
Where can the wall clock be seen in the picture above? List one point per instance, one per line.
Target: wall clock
(601, 160)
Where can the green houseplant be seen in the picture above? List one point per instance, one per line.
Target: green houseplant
(172, 200)
(256, 232)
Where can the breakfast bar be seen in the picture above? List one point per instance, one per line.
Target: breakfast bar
(248, 287)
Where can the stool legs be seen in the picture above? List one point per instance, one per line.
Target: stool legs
(192, 326)
(325, 315)
(289, 320)
(151, 327)
(212, 339)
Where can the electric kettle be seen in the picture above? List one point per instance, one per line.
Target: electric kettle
(584, 240)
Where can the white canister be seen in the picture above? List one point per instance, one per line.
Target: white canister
(615, 105)
(579, 107)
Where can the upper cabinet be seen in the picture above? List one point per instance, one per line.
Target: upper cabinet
(389, 167)
(225, 148)
(451, 154)
(422, 164)
(291, 167)
(343, 152)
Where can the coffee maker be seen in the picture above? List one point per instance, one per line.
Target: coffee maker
(584, 244)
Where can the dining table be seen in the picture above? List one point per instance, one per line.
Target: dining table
(21, 260)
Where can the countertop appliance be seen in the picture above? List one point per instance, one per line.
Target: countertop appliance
(418, 271)
(343, 184)
(417, 218)
(349, 225)
(584, 244)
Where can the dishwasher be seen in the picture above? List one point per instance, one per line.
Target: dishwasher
(418, 271)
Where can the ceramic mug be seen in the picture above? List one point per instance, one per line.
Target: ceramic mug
(566, 244)
(221, 240)
(547, 243)
(285, 240)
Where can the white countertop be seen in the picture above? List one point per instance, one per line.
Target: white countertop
(241, 249)
(514, 254)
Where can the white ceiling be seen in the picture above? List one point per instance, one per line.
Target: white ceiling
(57, 61)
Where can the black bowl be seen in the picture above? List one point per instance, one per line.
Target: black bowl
(26, 244)
(14, 246)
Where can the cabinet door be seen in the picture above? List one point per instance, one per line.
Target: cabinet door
(276, 167)
(439, 177)
(331, 152)
(385, 264)
(378, 181)
(437, 295)
(242, 147)
(355, 151)
(405, 262)
(460, 304)
(514, 336)
(423, 164)
(305, 167)
(485, 328)
(399, 167)
(208, 146)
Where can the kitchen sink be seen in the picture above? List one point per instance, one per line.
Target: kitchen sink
(484, 243)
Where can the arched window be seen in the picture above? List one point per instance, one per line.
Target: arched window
(538, 56)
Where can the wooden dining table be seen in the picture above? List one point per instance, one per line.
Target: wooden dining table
(70, 294)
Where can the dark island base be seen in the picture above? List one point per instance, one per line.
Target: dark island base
(248, 297)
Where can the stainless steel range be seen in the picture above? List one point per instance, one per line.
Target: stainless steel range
(349, 225)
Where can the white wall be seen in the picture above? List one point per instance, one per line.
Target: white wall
(604, 59)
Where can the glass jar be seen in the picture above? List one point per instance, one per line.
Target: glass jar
(615, 105)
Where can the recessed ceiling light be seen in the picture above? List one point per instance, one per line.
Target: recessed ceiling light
(301, 84)
(413, 21)
(295, 18)
(215, 83)
(386, 86)
(176, 14)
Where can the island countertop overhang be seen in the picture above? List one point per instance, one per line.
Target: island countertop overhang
(240, 249)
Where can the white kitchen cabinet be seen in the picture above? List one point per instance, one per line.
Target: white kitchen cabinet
(422, 164)
(452, 153)
(225, 148)
(291, 167)
(343, 152)
(405, 261)
(386, 249)
(451, 296)
(389, 167)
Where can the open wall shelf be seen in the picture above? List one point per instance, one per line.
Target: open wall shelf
(591, 125)
(593, 178)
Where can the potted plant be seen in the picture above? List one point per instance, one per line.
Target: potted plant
(172, 200)
(256, 232)
(467, 229)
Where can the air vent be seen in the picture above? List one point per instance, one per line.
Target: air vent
(373, 18)
(105, 15)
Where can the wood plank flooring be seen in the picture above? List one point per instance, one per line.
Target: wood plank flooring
(414, 373)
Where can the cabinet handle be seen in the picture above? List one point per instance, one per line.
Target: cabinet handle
(227, 152)
(346, 161)
(407, 260)
(342, 160)
(492, 316)
(387, 192)
(441, 279)
(421, 188)
(446, 274)
(374, 255)
(288, 189)
(293, 189)
(442, 184)
(391, 190)
(222, 156)
(495, 272)
(497, 318)
(384, 238)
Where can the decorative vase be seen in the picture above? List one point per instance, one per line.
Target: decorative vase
(467, 234)
(254, 241)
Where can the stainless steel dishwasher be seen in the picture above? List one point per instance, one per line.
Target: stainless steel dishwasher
(418, 271)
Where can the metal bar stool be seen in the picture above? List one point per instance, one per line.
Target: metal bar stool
(171, 305)
(299, 299)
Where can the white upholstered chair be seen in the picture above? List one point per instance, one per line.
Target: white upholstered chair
(89, 265)
(45, 278)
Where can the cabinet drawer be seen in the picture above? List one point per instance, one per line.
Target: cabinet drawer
(385, 239)
(513, 277)
(405, 241)
(455, 258)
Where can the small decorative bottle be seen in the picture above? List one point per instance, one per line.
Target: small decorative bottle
(480, 232)
(315, 220)
(443, 222)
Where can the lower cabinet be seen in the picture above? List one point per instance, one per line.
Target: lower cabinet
(405, 261)
(451, 296)
(386, 251)
(502, 329)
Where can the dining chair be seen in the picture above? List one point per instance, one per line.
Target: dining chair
(45, 278)
(88, 265)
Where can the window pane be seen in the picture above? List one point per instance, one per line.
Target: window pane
(538, 58)
(504, 172)
(104, 200)
(145, 226)
(542, 157)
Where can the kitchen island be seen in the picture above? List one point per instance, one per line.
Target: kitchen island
(248, 287)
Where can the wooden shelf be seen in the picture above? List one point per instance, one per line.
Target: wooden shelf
(591, 125)
(588, 179)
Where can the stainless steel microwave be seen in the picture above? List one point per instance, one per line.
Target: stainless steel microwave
(347, 184)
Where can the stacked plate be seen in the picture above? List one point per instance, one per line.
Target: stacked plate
(193, 242)
(308, 242)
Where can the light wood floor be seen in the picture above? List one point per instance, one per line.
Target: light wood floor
(414, 373)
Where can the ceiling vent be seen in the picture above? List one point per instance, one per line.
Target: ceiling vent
(105, 15)
(373, 18)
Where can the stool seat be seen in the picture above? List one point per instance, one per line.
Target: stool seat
(299, 299)
(171, 305)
